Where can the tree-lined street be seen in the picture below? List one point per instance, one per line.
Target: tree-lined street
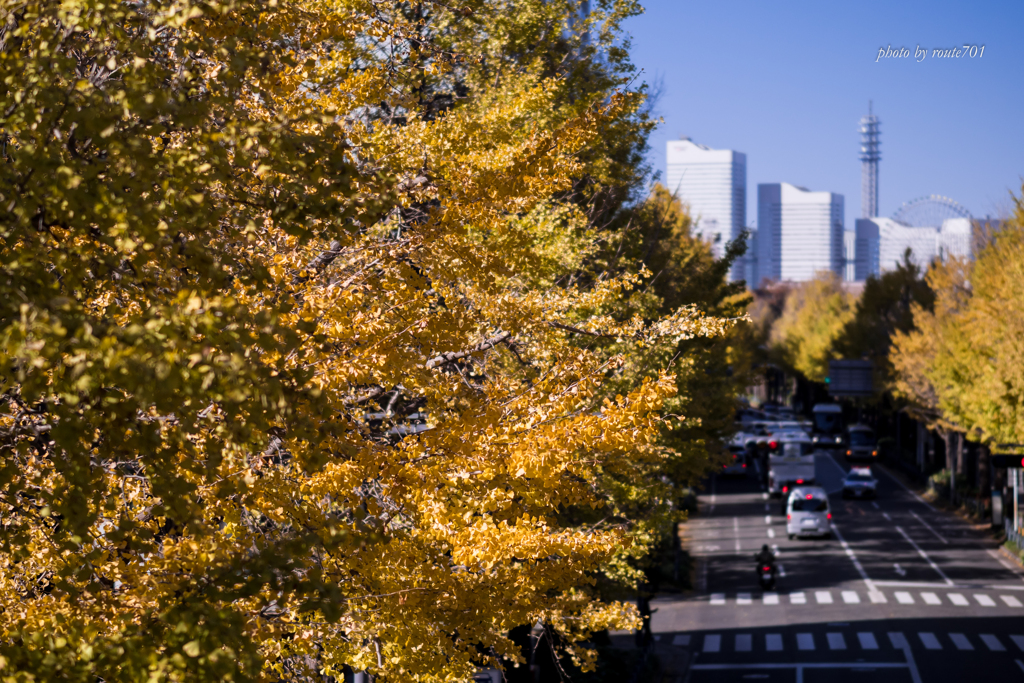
(903, 590)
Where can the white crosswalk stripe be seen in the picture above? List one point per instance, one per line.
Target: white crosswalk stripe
(852, 597)
(961, 641)
(836, 641)
(897, 639)
(867, 640)
(806, 642)
(992, 642)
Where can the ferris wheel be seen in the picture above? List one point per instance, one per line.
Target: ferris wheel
(929, 211)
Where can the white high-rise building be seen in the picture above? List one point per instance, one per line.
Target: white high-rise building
(882, 242)
(713, 183)
(800, 233)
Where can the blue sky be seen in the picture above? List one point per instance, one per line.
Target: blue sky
(786, 83)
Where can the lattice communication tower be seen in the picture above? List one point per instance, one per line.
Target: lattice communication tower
(869, 157)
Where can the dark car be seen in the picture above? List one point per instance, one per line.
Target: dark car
(861, 443)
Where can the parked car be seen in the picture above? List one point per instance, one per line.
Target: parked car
(861, 443)
(808, 513)
(860, 483)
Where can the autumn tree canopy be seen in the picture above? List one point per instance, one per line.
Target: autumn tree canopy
(290, 339)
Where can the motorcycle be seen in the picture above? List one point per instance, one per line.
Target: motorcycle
(766, 575)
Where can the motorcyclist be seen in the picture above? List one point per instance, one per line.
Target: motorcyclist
(765, 558)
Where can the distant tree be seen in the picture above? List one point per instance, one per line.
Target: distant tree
(812, 323)
(885, 307)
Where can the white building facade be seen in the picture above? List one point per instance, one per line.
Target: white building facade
(882, 242)
(800, 233)
(713, 184)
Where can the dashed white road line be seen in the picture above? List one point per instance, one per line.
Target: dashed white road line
(767, 519)
(867, 640)
(771, 533)
(853, 558)
(924, 555)
(736, 530)
(929, 641)
(929, 528)
(992, 642)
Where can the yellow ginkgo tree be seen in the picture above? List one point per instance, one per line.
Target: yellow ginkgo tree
(289, 378)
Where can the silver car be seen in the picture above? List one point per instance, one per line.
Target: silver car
(860, 483)
(808, 512)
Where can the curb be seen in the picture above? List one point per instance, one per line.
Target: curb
(1010, 556)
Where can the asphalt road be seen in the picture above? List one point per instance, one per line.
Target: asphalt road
(902, 592)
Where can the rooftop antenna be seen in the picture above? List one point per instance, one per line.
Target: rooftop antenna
(869, 157)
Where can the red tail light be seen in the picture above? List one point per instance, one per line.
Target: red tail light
(828, 515)
(809, 496)
(785, 489)
(789, 517)
(744, 465)
(799, 481)
(773, 445)
(766, 569)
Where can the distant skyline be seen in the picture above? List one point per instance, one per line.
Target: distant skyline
(787, 83)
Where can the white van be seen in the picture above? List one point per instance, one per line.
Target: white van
(808, 513)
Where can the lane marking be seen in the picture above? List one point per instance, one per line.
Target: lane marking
(712, 643)
(782, 570)
(1018, 641)
(877, 596)
(718, 598)
(1010, 600)
(1020, 664)
(681, 641)
(836, 641)
(929, 528)
(736, 530)
(764, 495)
(927, 559)
(773, 642)
(914, 584)
(899, 570)
(875, 505)
(931, 599)
(984, 600)
(771, 598)
(823, 597)
(767, 519)
(743, 599)
(766, 507)
(798, 598)
(992, 642)
(867, 641)
(805, 641)
(961, 641)
(853, 558)
(771, 533)
(904, 598)
(886, 515)
(857, 666)
(957, 599)
(851, 597)
(744, 642)
(929, 640)
(918, 498)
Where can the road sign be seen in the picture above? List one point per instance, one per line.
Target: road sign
(1008, 460)
(850, 378)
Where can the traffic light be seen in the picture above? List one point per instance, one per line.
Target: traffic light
(1007, 461)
